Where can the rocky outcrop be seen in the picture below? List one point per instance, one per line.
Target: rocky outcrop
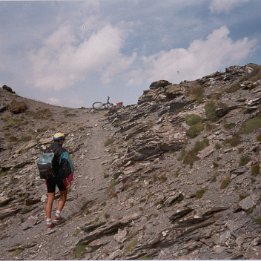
(187, 146)
(182, 180)
(8, 89)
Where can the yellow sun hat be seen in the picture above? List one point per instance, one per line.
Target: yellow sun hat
(59, 136)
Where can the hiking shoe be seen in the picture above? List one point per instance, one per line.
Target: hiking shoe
(58, 220)
(50, 226)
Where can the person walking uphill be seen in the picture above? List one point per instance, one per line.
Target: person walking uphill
(62, 175)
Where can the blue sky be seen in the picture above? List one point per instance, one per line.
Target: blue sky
(72, 53)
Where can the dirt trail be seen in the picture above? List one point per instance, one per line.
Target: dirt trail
(89, 189)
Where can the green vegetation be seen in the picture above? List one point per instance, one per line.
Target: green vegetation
(225, 182)
(250, 125)
(195, 130)
(192, 119)
(12, 138)
(16, 252)
(108, 142)
(195, 121)
(258, 220)
(191, 156)
(162, 178)
(26, 138)
(210, 110)
(244, 160)
(255, 169)
(78, 251)
(234, 141)
(242, 196)
(111, 188)
(196, 92)
(199, 194)
(229, 126)
(131, 246)
(234, 87)
(217, 146)
(145, 257)
(258, 137)
(2, 172)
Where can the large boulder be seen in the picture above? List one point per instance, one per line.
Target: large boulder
(17, 107)
(8, 89)
(159, 84)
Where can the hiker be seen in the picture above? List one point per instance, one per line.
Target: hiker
(61, 169)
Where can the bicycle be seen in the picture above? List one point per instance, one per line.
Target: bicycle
(102, 106)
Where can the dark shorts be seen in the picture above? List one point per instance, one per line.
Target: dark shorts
(52, 182)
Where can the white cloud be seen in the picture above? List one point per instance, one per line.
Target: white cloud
(200, 58)
(66, 102)
(63, 60)
(54, 101)
(224, 6)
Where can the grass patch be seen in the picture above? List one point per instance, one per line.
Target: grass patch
(250, 125)
(255, 169)
(196, 92)
(195, 130)
(12, 139)
(78, 251)
(210, 110)
(26, 138)
(193, 119)
(191, 156)
(244, 160)
(131, 246)
(199, 194)
(229, 126)
(217, 146)
(108, 142)
(234, 141)
(162, 178)
(225, 182)
(145, 257)
(111, 188)
(16, 252)
(2, 172)
(234, 87)
(258, 220)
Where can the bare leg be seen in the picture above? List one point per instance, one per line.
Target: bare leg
(49, 205)
(62, 200)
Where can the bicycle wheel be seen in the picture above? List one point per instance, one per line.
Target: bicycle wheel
(108, 105)
(98, 106)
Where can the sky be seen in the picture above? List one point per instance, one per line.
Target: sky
(73, 53)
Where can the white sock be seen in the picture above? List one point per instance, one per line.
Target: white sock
(58, 213)
(48, 221)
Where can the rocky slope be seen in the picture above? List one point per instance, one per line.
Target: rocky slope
(176, 176)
